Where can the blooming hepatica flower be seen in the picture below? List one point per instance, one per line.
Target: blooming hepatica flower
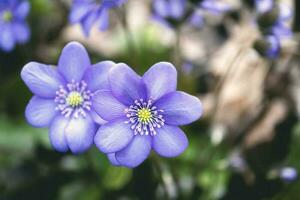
(143, 113)
(63, 97)
(88, 12)
(13, 27)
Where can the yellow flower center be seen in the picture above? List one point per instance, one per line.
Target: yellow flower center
(7, 16)
(74, 99)
(144, 115)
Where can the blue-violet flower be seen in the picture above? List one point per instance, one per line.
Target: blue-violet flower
(89, 12)
(143, 113)
(173, 12)
(63, 97)
(288, 174)
(13, 27)
(273, 18)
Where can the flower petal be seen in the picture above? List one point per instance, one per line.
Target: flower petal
(107, 106)
(180, 108)
(73, 62)
(7, 41)
(40, 112)
(215, 7)
(125, 84)
(170, 141)
(21, 32)
(177, 8)
(196, 20)
(57, 133)
(89, 21)
(96, 118)
(104, 19)
(113, 136)
(112, 159)
(22, 10)
(274, 46)
(136, 152)
(80, 134)
(161, 8)
(285, 13)
(96, 76)
(79, 11)
(160, 79)
(263, 6)
(41, 79)
(282, 31)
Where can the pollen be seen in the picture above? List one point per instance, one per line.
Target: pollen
(144, 115)
(74, 99)
(7, 16)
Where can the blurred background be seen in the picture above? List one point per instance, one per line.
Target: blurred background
(246, 145)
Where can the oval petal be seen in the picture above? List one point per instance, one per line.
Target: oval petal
(113, 136)
(107, 106)
(126, 85)
(179, 108)
(80, 134)
(40, 112)
(96, 76)
(135, 152)
(170, 141)
(73, 62)
(57, 133)
(160, 79)
(41, 79)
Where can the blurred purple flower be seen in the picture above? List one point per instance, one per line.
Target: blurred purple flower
(263, 6)
(63, 97)
(169, 12)
(13, 27)
(274, 46)
(288, 174)
(88, 12)
(143, 113)
(214, 6)
(282, 15)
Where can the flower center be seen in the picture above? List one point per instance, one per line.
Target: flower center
(74, 99)
(144, 117)
(7, 16)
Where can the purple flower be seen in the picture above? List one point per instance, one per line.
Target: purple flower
(268, 46)
(214, 6)
(288, 174)
(263, 6)
(273, 17)
(169, 12)
(143, 113)
(274, 46)
(88, 12)
(173, 12)
(13, 27)
(63, 97)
